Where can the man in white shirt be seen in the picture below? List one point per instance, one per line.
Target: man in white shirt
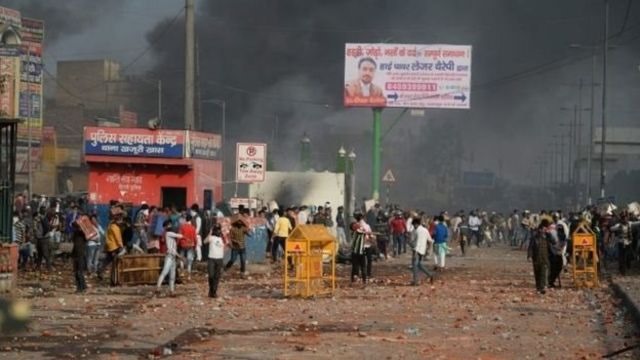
(197, 223)
(410, 228)
(169, 267)
(215, 260)
(474, 228)
(421, 238)
(303, 215)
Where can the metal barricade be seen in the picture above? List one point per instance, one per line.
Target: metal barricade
(311, 250)
(585, 258)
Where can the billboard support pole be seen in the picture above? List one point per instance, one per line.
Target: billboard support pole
(377, 137)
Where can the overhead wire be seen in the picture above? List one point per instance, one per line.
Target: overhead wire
(626, 17)
(555, 63)
(154, 41)
(63, 88)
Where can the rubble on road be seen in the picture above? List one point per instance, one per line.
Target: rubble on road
(484, 306)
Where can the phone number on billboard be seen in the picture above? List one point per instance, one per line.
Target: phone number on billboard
(411, 86)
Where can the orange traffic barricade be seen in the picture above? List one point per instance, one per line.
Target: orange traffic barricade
(311, 250)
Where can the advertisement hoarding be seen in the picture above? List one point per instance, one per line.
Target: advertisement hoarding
(134, 142)
(9, 80)
(251, 162)
(10, 16)
(407, 76)
(30, 97)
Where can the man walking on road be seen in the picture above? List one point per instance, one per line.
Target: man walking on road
(398, 228)
(41, 234)
(543, 238)
(360, 230)
(79, 254)
(474, 228)
(421, 238)
(558, 251)
(281, 232)
(440, 240)
(623, 235)
(239, 229)
(214, 259)
(113, 245)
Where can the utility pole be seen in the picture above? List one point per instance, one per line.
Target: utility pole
(578, 150)
(554, 163)
(189, 66)
(562, 168)
(605, 48)
(377, 141)
(591, 120)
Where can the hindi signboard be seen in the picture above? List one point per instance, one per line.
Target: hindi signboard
(30, 91)
(407, 76)
(134, 142)
(251, 162)
(204, 145)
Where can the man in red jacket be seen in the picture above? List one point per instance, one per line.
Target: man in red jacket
(187, 244)
(398, 227)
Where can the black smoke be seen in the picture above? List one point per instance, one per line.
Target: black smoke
(284, 59)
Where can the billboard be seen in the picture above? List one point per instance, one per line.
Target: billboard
(407, 76)
(134, 142)
(30, 97)
(9, 82)
(10, 16)
(251, 162)
(204, 145)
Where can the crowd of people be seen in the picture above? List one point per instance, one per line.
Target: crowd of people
(185, 236)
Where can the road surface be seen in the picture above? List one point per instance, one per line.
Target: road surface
(483, 306)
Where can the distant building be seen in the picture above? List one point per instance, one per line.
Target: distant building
(94, 85)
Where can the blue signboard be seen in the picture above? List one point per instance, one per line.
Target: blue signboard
(134, 142)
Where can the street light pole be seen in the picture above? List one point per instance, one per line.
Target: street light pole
(223, 135)
(352, 183)
(562, 168)
(591, 120)
(605, 48)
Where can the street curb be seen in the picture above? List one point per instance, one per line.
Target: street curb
(629, 303)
